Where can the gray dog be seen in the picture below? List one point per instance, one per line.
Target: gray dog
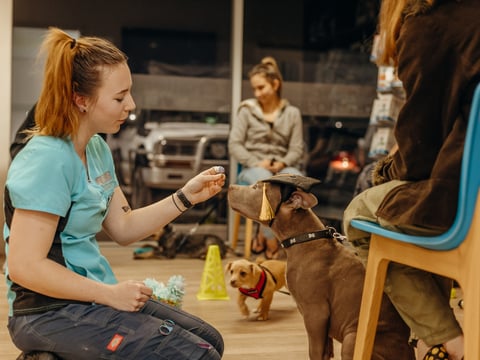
(323, 275)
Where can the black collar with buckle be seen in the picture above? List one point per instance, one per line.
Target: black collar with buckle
(328, 233)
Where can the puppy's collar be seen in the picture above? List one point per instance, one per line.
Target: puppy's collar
(328, 233)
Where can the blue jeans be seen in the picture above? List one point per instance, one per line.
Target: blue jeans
(89, 332)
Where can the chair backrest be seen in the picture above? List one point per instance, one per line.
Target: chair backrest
(470, 175)
(467, 197)
(469, 179)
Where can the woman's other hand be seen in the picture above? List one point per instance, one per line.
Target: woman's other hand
(266, 164)
(272, 165)
(127, 295)
(277, 166)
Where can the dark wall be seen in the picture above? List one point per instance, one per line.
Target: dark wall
(316, 25)
(320, 41)
(106, 18)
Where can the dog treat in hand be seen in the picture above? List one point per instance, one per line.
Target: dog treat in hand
(219, 169)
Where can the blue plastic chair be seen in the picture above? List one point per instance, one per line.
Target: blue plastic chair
(454, 254)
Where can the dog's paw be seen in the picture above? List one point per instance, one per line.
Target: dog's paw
(262, 317)
(245, 312)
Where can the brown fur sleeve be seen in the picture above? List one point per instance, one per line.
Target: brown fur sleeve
(380, 172)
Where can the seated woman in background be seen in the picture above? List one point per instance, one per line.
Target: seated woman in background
(266, 138)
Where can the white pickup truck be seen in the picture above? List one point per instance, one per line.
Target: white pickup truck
(168, 155)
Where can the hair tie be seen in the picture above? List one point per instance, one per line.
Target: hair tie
(73, 43)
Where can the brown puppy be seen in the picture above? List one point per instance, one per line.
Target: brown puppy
(258, 280)
(324, 276)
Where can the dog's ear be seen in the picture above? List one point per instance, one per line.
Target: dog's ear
(228, 267)
(302, 199)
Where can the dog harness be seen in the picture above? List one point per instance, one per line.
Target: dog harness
(257, 291)
(328, 233)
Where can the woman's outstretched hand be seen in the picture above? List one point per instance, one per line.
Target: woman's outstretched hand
(205, 185)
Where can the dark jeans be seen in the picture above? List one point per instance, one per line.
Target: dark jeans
(99, 332)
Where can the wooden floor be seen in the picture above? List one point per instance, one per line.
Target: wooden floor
(281, 337)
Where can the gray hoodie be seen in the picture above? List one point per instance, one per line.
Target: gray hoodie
(252, 139)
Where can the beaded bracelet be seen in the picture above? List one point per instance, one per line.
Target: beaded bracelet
(181, 196)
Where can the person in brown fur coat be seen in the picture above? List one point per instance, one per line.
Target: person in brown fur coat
(435, 45)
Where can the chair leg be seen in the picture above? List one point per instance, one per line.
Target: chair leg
(248, 237)
(371, 302)
(248, 234)
(470, 284)
(471, 323)
(236, 228)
